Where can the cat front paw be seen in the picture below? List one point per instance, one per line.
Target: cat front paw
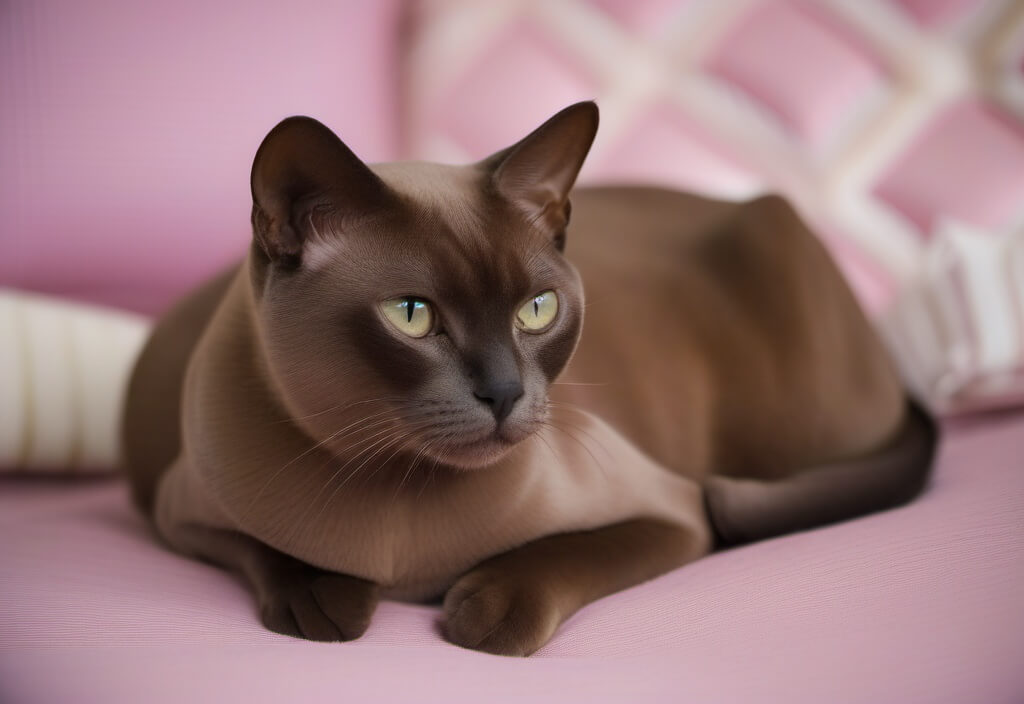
(317, 605)
(495, 613)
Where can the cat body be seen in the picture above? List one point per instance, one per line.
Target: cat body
(413, 533)
(725, 386)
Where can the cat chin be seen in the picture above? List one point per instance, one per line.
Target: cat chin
(477, 456)
(483, 453)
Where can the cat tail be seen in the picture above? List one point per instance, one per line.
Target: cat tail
(64, 370)
(743, 510)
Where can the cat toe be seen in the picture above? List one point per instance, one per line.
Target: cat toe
(498, 618)
(348, 602)
(323, 607)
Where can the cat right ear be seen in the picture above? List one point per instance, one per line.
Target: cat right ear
(537, 173)
(302, 167)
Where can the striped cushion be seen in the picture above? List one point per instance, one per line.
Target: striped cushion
(957, 328)
(63, 372)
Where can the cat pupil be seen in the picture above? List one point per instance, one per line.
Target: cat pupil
(410, 308)
(536, 305)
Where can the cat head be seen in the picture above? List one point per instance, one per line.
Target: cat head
(417, 307)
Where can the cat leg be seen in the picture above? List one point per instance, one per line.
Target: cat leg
(512, 604)
(294, 598)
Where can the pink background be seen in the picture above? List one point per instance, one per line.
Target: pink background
(128, 130)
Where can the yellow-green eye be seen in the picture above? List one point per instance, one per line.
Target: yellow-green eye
(538, 312)
(409, 314)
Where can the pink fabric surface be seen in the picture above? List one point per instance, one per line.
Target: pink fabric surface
(917, 604)
(128, 129)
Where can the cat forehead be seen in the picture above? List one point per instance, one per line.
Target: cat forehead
(452, 226)
(451, 193)
(473, 238)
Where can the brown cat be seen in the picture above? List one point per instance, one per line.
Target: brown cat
(367, 405)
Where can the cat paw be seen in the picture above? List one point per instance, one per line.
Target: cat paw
(318, 605)
(495, 614)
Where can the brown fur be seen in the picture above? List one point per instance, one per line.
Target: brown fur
(723, 360)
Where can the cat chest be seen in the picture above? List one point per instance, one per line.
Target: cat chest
(416, 549)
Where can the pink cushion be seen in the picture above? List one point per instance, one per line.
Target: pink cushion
(128, 129)
(917, 604)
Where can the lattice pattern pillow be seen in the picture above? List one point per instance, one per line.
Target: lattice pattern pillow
(878, 118)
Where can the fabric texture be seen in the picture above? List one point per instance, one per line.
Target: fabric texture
(918, 604)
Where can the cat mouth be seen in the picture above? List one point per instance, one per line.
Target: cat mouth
(486, 448)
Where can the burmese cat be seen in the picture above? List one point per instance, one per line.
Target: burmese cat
(367, 405)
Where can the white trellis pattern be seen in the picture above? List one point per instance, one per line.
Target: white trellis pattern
(881, 119)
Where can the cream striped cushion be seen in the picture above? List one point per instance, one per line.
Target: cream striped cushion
(63, 372)
(957, 328)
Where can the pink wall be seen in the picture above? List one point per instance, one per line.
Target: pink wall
(128, 129)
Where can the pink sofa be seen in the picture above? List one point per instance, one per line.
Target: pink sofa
(125, 145)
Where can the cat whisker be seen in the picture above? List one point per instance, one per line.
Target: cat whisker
(581, 411)
(333, 436)
(394, 454)
(384, 444)
(443, 455)
(582, 444)
(400, 440)
(357, 426)
(404, 418)
(392, 434)
(337, 408)
(416, 460)
(408, 472)
(440, 457)
(431, 445)
(540, 436)
(396, 435)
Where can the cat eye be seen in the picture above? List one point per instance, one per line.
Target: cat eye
(537, 313)
(412, 316)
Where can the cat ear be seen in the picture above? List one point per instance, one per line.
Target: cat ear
(302, 167)
(538, 172)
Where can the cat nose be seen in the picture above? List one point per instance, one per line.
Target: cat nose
(501, 396)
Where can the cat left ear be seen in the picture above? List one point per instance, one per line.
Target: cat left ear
(537, 173)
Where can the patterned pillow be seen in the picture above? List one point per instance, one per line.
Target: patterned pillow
(878, 118)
